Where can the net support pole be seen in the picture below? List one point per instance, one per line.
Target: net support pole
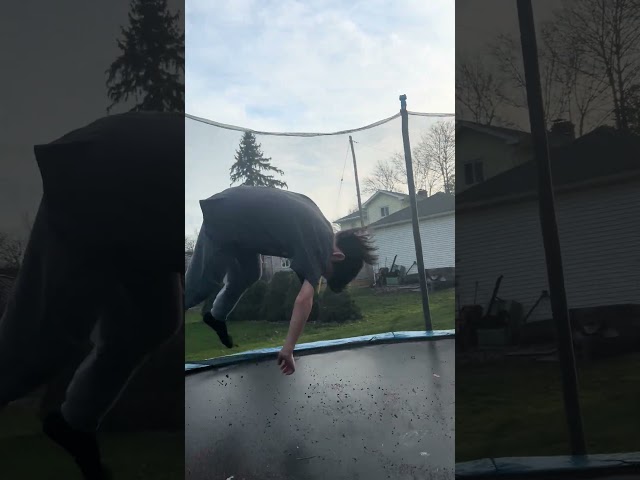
(422, 275)
(355, 171)
(549, 227)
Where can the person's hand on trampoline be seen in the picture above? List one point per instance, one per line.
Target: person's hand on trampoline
(286, 362)
(301, 310)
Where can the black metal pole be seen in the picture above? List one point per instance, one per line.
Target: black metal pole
(548, 223)
(355, 171)
(422, 276)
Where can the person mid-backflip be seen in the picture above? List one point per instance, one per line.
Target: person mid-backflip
(242, 223)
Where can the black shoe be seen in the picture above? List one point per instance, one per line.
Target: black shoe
(82, 446)
(220, 328)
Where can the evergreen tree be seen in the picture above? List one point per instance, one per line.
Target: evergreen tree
(150, 68)
(250, 163)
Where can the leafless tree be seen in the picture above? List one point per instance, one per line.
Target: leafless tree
(507, 53)
(585, 93)
(190, 241)
(479, 94)
(424, 176)
(567, 91)
(607, 35)
(437, 151)
(385, 176)
(431, 162)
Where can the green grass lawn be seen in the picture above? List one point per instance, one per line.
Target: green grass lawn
(392, 311)
(26, 453)
(515, 408)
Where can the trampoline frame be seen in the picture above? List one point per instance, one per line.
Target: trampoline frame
(317, 347)
(551, 467)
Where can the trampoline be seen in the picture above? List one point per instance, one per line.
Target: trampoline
(624, 466)
(373, 407)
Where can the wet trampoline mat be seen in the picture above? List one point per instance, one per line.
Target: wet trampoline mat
(377, 412)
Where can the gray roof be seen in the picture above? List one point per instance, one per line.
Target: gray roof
(397, 194)
(510, 135)
(502, 132)
(433, 205)
(351, 216)
(599, 154)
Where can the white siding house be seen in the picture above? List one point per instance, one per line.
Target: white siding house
(438, 243)
(597, 207)
(379, 205)
(483, 151)
(272, 265)
(394, 235)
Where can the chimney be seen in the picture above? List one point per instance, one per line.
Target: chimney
(564, 129)
(422, 194)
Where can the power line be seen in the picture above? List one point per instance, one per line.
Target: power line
(312, 134)
(342, 177)
(386, 152)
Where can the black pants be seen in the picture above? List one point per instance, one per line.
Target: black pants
(210, 265)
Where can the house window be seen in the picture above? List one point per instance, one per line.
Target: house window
(473, 172)
(384, 211)
(285, 263)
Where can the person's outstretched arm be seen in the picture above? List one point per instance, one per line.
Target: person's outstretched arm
(301, 311)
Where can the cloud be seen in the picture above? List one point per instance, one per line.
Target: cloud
(310, 66)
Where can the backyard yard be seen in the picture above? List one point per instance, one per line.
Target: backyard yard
(381, 312)
(20, 429)
(515, 408)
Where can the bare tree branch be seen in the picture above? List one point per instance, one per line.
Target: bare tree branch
(506, 50)
(423, 173)
(584, 93)
(433, 162)
(384, 177)
(190, 241)
(478, 91)
(437, 149)
(607, 34)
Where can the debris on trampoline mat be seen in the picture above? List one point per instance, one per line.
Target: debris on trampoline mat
(379, 411)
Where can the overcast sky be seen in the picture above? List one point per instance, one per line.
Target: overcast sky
(313, 66)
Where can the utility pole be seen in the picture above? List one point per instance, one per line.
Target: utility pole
(355, 170)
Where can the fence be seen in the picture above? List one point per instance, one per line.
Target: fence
(367, 176)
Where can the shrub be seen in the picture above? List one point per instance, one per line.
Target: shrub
(274, 302)
(338, 308)
(249, 306)
(292, 293)
(274, 307)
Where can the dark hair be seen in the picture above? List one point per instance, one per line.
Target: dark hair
(357, 246)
